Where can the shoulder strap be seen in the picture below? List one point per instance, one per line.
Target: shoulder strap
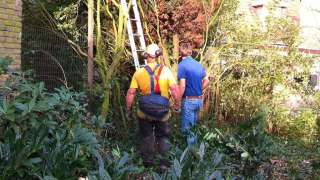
(150, 72)
(157, 89)
(151, 75)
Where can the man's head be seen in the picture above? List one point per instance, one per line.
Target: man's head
(152, 52)
(185, 49)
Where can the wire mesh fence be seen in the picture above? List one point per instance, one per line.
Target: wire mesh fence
(52, 59)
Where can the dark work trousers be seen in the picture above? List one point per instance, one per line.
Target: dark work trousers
(154, 138)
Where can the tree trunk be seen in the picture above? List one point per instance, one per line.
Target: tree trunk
(90, 42)
(218, 104)
(165, 56)
(176, 47)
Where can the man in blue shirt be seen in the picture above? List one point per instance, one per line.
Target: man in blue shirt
(192, 81)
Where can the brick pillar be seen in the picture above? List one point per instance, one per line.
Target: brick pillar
(10, 30)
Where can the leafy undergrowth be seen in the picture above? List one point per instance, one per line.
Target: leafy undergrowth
(241, 152)
(50, 136)
(43, 135)
(4, 64)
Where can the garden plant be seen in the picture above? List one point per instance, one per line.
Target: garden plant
(260, 118)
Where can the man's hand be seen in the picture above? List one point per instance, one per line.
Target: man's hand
(176, 97)
(176, 108)
(182, 87)
(129, 98)
(205, 84)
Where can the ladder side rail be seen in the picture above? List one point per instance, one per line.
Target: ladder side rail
(131, 36)
(139, 25)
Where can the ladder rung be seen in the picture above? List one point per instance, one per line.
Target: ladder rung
(135, 32)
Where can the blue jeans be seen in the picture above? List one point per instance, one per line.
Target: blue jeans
(189, 112)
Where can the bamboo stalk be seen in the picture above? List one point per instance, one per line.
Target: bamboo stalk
(175, 47)
(109, 68)
(90, 42)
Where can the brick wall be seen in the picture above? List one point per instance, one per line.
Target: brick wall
(10, 30)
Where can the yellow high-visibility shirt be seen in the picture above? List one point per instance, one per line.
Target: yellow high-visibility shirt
(141, 80)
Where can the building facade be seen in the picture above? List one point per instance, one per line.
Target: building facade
(10, 30)
(305, 12)
(310, 24)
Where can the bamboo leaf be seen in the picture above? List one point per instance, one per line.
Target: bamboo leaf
(183, 156)
(156, 176)
(32, 161)
(49, 178)
(215, 175)
(123, 160)
(201, 151)
(217, 158)
(177, 168)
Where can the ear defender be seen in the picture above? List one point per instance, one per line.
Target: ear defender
(158, 53)
(145, 55)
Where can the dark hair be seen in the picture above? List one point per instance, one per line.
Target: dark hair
(185, 49)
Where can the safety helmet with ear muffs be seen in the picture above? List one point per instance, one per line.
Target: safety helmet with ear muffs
(152, 51)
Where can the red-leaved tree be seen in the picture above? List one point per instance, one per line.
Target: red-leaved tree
(179, 20)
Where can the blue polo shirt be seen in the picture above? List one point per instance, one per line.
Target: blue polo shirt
(193, 72)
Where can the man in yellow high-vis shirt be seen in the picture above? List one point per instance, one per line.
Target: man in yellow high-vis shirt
(156, 84)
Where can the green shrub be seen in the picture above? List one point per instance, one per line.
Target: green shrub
(223, 154)
(42, 135)
(294, 114)
(249, 66)
(197, 163)
(4, 64)
(301, 125)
